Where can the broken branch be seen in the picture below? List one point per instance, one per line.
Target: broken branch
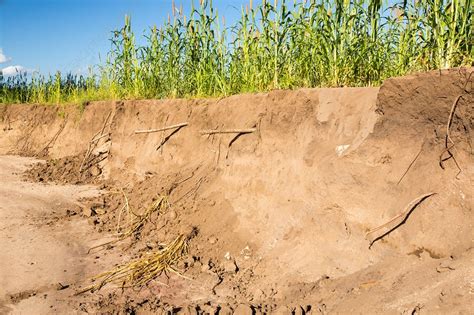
(162, 129)
(241, 131)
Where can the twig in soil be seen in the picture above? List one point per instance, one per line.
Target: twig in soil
(405, 215)
(162, 129)
(176, 184)
(411, 164)
(238, 131)
(194, 189)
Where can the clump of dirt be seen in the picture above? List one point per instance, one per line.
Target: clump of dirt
(66, 170)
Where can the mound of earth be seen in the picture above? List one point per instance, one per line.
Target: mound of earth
(66, 170)
(308, 201)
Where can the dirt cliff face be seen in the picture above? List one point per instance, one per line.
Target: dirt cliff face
(314, 200)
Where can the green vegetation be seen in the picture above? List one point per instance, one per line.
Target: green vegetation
(277, 44)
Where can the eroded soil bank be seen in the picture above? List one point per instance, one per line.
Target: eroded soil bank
(283, 207)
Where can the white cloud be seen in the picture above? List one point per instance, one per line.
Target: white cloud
(3, 58)
(13, 70)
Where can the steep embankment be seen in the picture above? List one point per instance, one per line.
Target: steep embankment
(289, 204)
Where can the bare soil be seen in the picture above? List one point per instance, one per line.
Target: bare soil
(284, 218)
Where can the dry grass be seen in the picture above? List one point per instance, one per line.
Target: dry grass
(140, 271)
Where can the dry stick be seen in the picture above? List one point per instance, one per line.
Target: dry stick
(395, 218)
(411, 164)
(162, 129)
(102, 136)
(212, 132)
(405, 215)
(165, 139)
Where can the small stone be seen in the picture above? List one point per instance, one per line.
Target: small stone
(87, 211)
(100, 211)
(212, 240)
(95, 171)
(230, 266)
(172, 215)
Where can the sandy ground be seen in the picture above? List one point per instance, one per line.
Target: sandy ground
(44, 245)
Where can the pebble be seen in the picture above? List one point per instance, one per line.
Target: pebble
(230, 266)
(100, 211)
(95, 171)
(87, 211)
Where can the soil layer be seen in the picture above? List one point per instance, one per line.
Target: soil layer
(350, 200)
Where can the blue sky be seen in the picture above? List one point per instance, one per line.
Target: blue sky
(69, 35)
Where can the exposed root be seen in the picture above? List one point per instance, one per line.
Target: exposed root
(411, 164)
(45, 150)
(402, 216)
(94, 143)
(448, 142)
